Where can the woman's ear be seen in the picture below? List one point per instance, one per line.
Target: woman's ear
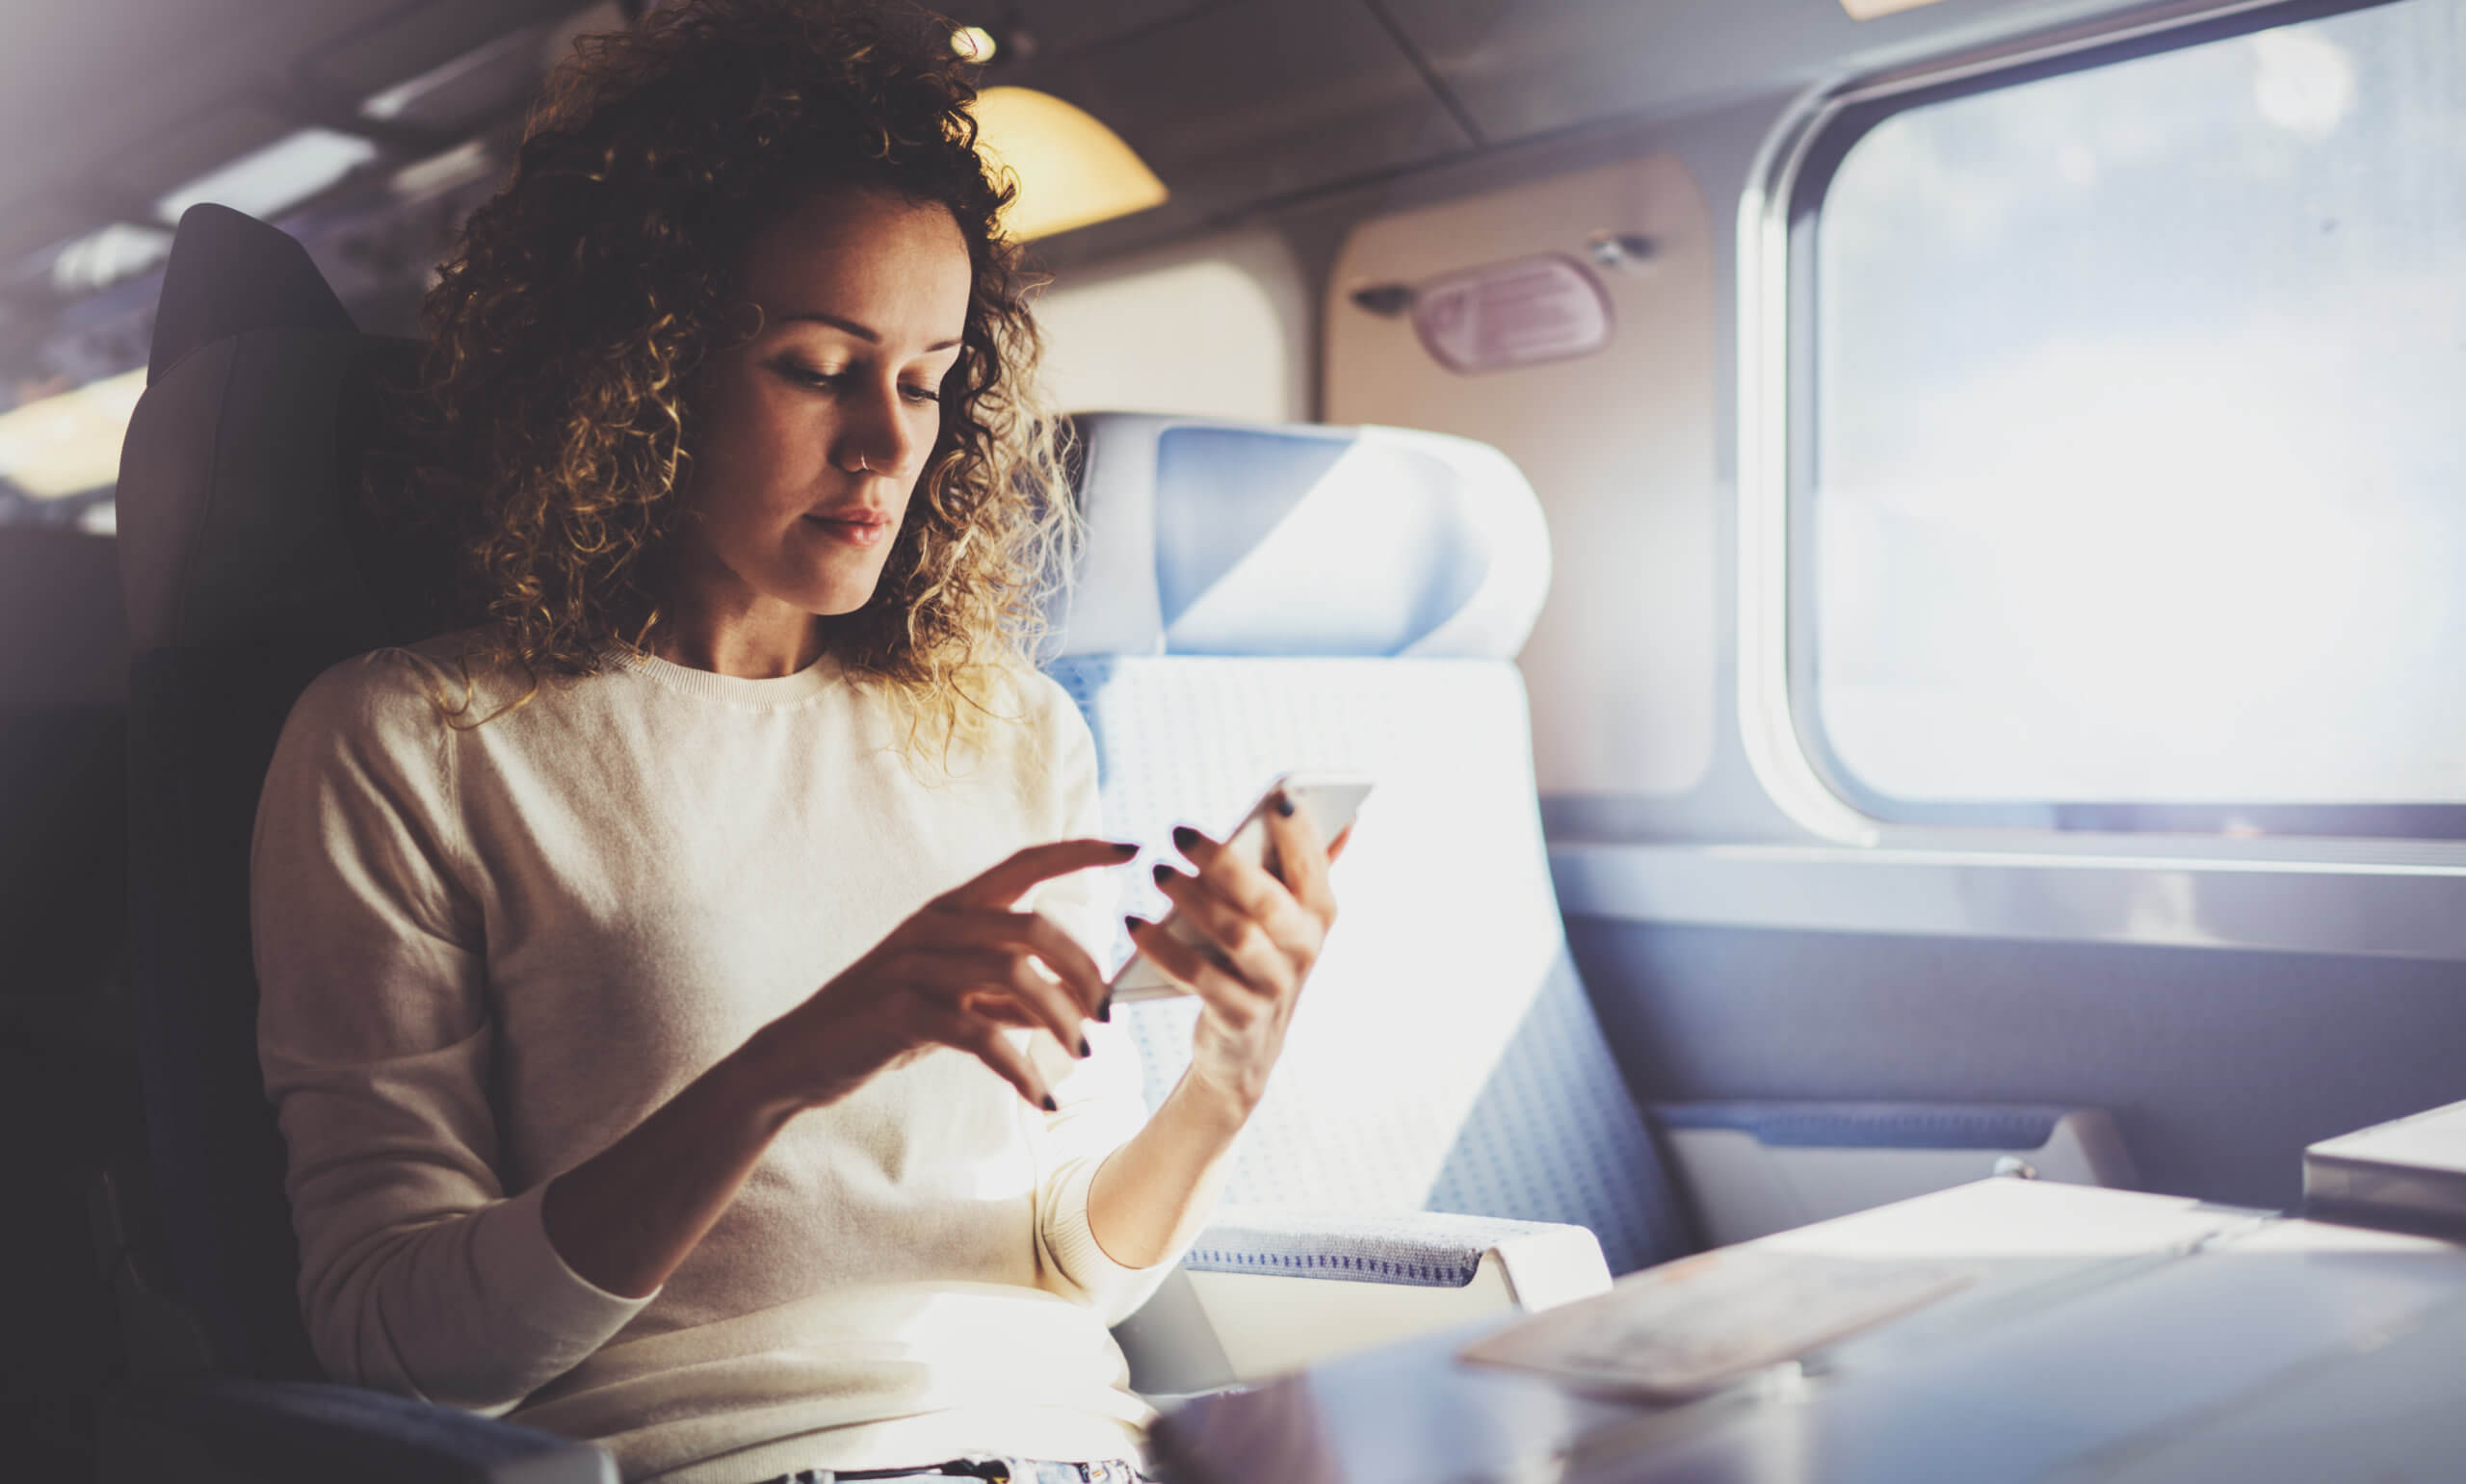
(741, 325)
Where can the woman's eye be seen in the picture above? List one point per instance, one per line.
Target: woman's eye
(809, 376)
(837, 380)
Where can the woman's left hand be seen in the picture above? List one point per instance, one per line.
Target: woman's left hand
(1263, 929)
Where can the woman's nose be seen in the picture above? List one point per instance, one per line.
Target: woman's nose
(877, 436)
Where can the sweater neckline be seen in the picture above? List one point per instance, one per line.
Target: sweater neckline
(775, 694)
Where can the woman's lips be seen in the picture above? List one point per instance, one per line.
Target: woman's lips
(857, 529)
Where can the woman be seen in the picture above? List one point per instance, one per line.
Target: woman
(663, 1050)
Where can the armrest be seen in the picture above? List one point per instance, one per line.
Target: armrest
(1264, 1293)
(312, 1432)
(1544, 1262)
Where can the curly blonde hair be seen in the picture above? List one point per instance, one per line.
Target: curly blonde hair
(555, 409)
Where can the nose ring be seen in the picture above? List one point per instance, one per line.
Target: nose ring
(863, 467)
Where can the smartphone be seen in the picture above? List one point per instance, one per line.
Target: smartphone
(1331, 800)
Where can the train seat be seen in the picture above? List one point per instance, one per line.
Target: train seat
(1252, 600)
(247, 568)
(66, 1105)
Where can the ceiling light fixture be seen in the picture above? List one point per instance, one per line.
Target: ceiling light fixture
(1869, 10)
(102, 258)
(516, 48)
(68, 444)
(1073, 170)
(436, 175)
(974, 43)
(266, 182)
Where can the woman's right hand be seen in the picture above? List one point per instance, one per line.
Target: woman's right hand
(965, 969)
(960, 973)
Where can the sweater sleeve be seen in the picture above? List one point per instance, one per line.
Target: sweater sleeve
(1100, 1099)
(418, 1274)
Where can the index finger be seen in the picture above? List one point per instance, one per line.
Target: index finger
(1004, 884)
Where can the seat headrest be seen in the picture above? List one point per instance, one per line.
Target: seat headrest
(241, 480)
(1207, 538)
(231, 274)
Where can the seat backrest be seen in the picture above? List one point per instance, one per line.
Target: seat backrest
(244, 566)
(1254, 600)
(63, 679)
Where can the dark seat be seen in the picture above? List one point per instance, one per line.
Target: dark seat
(249, 565)
(64, 663)
(68, 1103)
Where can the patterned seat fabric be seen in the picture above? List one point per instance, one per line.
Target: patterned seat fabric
(1355, 605)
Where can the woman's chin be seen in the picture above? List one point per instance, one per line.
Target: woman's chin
(836, 594)
(832, 577)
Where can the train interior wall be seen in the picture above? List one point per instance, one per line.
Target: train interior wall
(2220, 1064)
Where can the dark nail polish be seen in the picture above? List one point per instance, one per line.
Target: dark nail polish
(1105, 1011)
(1125, 852)
(1049, 1105)
(1163, 872)
(1185, 837)
(1083, 1045)
(1284, 805)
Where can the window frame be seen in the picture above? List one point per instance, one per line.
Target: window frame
(1779, 650)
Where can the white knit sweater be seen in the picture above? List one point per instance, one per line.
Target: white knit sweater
(485, 954)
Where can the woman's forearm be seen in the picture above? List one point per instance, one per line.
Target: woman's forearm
(1150, 1198)
(628, 1215)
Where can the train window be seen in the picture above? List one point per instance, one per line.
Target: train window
(2127, 489)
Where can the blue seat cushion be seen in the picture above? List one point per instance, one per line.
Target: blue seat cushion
(1445, 1057)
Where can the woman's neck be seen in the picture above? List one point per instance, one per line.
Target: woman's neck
(755, 645)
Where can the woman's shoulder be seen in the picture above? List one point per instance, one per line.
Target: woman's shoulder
(410, 688)
(1040, 705)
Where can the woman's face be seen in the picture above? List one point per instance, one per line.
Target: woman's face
(811, 437)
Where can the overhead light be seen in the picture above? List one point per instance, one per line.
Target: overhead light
(105, 257)
(515, 49)
(264, 182)
(1869, 10)
(1072, 172)
(68, 444)
(459, 166)
(974, 43)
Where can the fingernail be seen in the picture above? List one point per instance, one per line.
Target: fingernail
(1163, 872)
(1125, 852)
(1105, 1011)
(1185, 837)
(1049, 1105)
(1284, 805)
(1083, 1045)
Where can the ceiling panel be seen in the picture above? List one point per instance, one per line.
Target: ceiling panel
(191, 147)
(82, 84)
(129, 96)
(469, 91)
(1523, 68)
(30, 227)
(1240, 103)
(416, 37)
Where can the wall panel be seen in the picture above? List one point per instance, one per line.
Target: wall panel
(1620, 445)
